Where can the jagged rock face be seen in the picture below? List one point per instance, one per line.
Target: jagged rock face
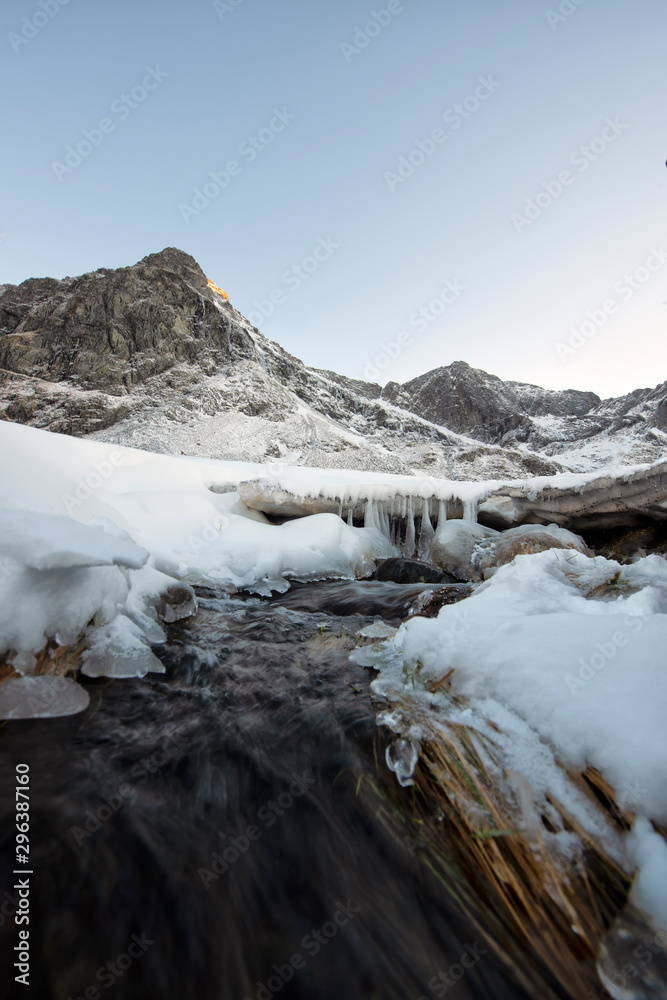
(369, 390)
(111, 330)
(554, 424)
(473, 402)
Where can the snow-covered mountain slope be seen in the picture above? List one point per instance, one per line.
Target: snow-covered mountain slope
(576, 429)
(153, 357)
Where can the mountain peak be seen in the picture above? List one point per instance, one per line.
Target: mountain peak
(181, 263)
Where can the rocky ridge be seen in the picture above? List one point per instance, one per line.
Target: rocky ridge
(153, 357)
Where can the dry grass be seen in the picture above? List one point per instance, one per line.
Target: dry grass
(544, 919)
(52, 659)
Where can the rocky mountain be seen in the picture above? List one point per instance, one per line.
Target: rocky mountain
(578, 428)
(472, 402)
(155, 357)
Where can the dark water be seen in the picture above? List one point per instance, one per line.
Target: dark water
(259, 745)
(374, 598)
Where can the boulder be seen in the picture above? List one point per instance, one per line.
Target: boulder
(410, 571)
(526, 540)
(456, 546)
(429, 603)
(176, 602)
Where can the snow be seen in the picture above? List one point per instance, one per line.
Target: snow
(166, 506)
(580, 671)
(91, 536)
(51, 541)
(79, 519)
(648, 851)
(36, 605)
(564, 654)
(558, 658)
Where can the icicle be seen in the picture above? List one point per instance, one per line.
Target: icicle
(470, 511)
(385, 524)
(410, 532)
(426, 533)
(340, 508)
(371, 518)
(350, 519)
(442, 512)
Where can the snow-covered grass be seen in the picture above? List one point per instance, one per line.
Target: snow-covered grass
(559, 661)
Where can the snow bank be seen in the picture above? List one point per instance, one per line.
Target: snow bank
(90, 536)
(166, 507)
(569, 651)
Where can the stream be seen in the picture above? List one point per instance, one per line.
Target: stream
(230, 829)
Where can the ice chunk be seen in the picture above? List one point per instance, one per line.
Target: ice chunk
(41, 697)
(119, 650)
(154, 594)
(453, 548)
(378, 630)
(401, 756)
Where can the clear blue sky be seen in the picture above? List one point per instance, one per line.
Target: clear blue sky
(330, 174)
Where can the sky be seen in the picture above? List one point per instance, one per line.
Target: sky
(381, 188)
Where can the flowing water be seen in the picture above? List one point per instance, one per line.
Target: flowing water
(226, 830)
